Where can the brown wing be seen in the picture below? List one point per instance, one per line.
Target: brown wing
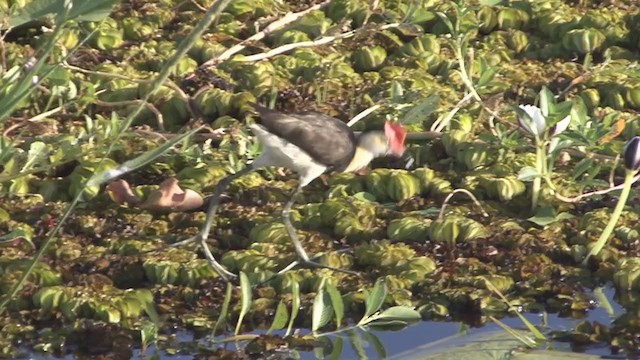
(327, 140)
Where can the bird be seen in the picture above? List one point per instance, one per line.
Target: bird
(310, 144)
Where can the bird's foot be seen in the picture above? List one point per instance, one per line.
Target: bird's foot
(174, 245)
(225, 274)
(197, 238)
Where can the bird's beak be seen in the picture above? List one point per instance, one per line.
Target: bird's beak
(408, 159)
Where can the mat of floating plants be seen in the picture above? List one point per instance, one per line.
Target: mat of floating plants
(515, 199)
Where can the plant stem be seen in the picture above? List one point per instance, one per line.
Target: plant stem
(602, 241)
(537, 182)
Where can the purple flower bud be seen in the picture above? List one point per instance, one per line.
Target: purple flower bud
(632, 154)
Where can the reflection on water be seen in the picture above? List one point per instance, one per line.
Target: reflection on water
(416, 341)
(424, 338)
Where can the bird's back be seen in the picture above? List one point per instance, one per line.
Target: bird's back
(327, 140)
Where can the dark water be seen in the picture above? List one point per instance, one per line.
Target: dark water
(429, 334)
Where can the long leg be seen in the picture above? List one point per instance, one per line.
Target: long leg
(286, 218)
(202, 236)
(303, 258)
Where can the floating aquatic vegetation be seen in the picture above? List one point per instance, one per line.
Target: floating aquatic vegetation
(521, 47)
(456, 229)
(408, 229)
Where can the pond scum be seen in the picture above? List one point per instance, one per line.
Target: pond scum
(530, 106)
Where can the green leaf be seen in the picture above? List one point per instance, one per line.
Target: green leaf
(148, 334)
(581, 167)
(397, 91)
(295, 305)
(336, 302)
(375, 299)
(528, 173)
(487, 73)
(403, 313)
(579, 111)
(562, 110)
(322, 309)
(547, 215)
(17, 235)
(150, 309)
(280, 320)
(419, 112)
(138, 162)
(81, 10)
(365, 196)
(446, 21)
(246, 298)
(396, 315)
(547, 101)
(37, 153)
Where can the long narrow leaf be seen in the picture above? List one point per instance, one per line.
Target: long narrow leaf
(246, 298)
(421, 111)
(81, 10)
(336, 302)
(138, 162)
(280, 319)
(603, 302)
(150, 309)
(295, 305)
(446, 21)
(402, 314)
(515, 334)
(547, 101)
(26, 84)
(224, 311)
(534, 330)
(322, 309)
(375, 299)
(486, 76)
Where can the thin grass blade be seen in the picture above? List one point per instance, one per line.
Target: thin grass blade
(295, 305)
(224, 311)
(246, 298)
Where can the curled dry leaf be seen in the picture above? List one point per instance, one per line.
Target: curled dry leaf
(120, 192)
(170, 197)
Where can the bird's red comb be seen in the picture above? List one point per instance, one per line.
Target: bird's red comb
(396, 133)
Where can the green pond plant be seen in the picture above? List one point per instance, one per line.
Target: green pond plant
(543, 125)
(632, 167)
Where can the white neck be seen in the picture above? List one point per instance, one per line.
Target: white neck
(370, 145)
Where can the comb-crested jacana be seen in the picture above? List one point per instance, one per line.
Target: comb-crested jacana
(310, 144)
